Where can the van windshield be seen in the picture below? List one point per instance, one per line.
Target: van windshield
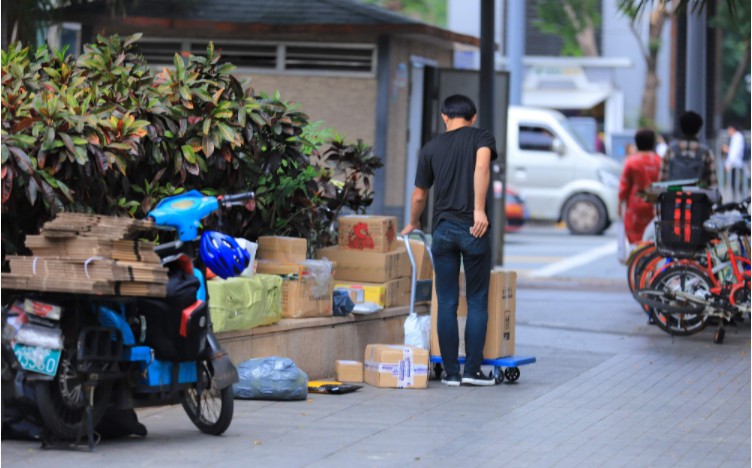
(571, 131)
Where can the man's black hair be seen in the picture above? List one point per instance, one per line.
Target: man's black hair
(690, 123)
(458, 106)
(645, 139)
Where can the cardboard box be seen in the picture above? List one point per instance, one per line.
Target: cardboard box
(349, 371)
(282, 249)
(422, 260)
(396, 366)
(368, 233)
(502, 292)
(305, 293)
(395, 293)
(368, 267)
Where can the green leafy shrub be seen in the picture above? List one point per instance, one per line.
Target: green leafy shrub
(107, 134)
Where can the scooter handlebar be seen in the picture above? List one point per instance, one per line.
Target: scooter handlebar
(236, 199)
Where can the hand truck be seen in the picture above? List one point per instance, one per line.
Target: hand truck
(421, 290)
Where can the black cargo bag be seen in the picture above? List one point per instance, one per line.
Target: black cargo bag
(679, 231)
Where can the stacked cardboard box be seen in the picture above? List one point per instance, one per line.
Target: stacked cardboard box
(372, 264)
(90, 254)
(307, 286)
(502, 292)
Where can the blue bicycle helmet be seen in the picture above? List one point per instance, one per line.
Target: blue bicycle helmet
(222, 254)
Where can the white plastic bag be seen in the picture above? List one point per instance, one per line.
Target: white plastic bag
(622, 244)
(251, 247)
(418, 330)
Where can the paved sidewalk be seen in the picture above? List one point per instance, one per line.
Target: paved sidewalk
(607, 390)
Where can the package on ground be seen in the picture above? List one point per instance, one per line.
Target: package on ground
(502, 293)
(349, 371)
(306, 288)
(396, 366)
(242, 303)
(422, 260)
(368, 233)
(282, 249)
(369, 267)
(270, 378)
(393, 293)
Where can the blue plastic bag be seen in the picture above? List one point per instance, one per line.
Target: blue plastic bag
(271, 378)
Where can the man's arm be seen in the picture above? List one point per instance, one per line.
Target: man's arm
(663, 173)
(417, 204)
(481, 181)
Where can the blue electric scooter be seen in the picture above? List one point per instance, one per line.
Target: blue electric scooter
(137, 352)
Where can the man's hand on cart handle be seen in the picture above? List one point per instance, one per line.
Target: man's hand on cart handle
(410, 228)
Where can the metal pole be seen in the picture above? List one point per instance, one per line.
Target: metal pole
(486, 113)
(515, 49)
(696, 97)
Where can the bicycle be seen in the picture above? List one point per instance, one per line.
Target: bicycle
(685, 297)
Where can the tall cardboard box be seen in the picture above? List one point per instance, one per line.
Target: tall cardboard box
(349, 371)
(502, 292)
(396, 366)
(369, 267)
(368, 233)
(395, 293)
(422, 260)
(305, 292)
(282, 249)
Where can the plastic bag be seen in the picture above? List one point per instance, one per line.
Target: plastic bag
(321, 271)
(251, 247)
(271, 378)
(622, 244)
(418, 330)
(343, 305)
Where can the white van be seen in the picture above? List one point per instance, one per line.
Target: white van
(558, 178)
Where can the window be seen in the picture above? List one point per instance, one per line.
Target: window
(243, 55)
(292, 58)
(535, 138)
(160, 52)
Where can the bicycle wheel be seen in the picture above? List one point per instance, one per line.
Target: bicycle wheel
(679, 316)
(211, 409)
(635, 262)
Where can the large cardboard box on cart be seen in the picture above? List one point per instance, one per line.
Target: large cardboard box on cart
(502, 302)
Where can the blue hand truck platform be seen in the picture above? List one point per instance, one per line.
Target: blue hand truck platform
(504, 367)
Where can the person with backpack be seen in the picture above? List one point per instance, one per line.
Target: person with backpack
(734, 164)
(686, 157)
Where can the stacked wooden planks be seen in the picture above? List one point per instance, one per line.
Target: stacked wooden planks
(90, 254)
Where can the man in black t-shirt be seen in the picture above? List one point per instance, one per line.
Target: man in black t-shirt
(458, 166)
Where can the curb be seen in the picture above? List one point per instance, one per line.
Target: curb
(582, 284)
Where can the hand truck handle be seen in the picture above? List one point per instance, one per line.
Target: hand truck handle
(414, 276)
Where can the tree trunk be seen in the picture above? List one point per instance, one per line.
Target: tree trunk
(657, 20)
(741, 69)
(586, 33)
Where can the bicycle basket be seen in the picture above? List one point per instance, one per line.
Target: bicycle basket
(679, 231)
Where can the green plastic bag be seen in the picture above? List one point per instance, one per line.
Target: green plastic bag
(243, 303)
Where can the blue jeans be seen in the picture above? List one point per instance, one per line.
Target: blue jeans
(452, 243)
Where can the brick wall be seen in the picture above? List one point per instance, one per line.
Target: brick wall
(347, 104)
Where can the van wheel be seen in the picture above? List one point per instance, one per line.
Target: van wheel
(585, 214)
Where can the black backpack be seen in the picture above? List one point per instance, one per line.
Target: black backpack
(686, 167)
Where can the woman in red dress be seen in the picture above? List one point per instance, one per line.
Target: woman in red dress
(640, 170)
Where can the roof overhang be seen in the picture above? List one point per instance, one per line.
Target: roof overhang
(565, 98)
(196, 27)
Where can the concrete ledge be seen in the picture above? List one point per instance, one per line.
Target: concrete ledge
(314, 344)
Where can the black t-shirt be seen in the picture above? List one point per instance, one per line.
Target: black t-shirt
(447, 162)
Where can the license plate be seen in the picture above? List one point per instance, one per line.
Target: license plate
(37, 358)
